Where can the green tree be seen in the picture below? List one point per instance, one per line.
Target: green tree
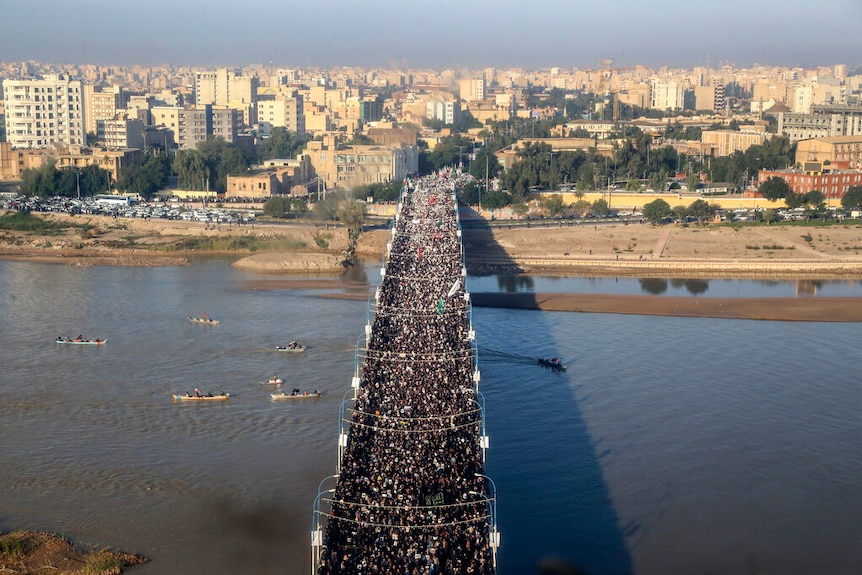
(692, 179)
(352, 214)
(770, 215)
(208, 165)
(601, 208)
(774, 188)
(190, 169)
(386, 192)
(852, 199)
(656, 211)
(470, 194)
(554, 205)
(281, 143)
(497, 199)
(658, 180)
(146, 179)
(701, 210)
(284, 206)
(794, 200)
(484, 163)
(815, 203)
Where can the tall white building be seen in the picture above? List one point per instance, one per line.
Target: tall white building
(667, 95)
(224, 87)
(447, 111)
(472, 89)
(41, 113)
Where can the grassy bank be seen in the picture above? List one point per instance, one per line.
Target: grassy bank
(30, 552)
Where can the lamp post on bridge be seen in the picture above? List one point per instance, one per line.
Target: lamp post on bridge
(493, 534)
(316, 532)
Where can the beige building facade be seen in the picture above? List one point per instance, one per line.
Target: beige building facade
(726, 142)
(101, 104)
(845, 151)
(345, 167)
(281, 109)
(44, 112)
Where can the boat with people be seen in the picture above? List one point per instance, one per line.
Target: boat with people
(552, 363)
(204, 319)
(80, 340)
(292, 347)
(275, 380)
(197, 395)
(295, 394)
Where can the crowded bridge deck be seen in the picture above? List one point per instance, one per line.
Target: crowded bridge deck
(410, 494)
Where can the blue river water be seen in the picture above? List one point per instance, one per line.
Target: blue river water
(669, 445)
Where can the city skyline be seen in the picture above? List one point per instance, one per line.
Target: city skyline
(445, 34)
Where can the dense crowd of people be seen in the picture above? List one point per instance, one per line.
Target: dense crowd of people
(411, 497)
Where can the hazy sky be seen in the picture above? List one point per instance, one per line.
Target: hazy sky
(435, 33)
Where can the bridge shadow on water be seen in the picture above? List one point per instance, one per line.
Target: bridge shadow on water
(555, 511)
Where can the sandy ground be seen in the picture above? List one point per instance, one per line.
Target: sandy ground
(693, 251)
(592, 249)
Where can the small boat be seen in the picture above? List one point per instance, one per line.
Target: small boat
(202, 397)
(289, 349)
(275, 380)
(295, 394)
(552, 363)
(77, 341)
(204, 320)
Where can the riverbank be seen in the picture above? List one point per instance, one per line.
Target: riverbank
(778, 251)
(31, 552)
(769, 309)
(618, 249)
(643, 250)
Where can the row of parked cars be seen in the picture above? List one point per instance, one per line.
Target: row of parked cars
(116, 206)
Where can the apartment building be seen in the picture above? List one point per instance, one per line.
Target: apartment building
(224, 87)
(193, 125)
(449, 112)
(345, 167)
(44, 112)
(101, 104)
(472, 89)
(709, 97)
(726, 142)
(13, 161)
(667, 95)
(281, 109)
(839, 151)
(120, 133)
(824, 121)
(639, 95)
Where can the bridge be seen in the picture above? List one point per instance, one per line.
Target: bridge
(410, 493)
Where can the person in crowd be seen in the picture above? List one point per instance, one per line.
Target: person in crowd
(411, 496)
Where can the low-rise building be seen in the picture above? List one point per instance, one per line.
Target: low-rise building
(726, 142)
(839, 151)
(345, 167)
(832, 184)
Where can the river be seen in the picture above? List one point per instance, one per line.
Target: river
(670, 445)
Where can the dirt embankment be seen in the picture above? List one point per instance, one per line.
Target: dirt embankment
(31, 553)
(567, 248)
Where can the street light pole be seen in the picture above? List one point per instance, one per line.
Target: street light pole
(493, 535)
(78, 182)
